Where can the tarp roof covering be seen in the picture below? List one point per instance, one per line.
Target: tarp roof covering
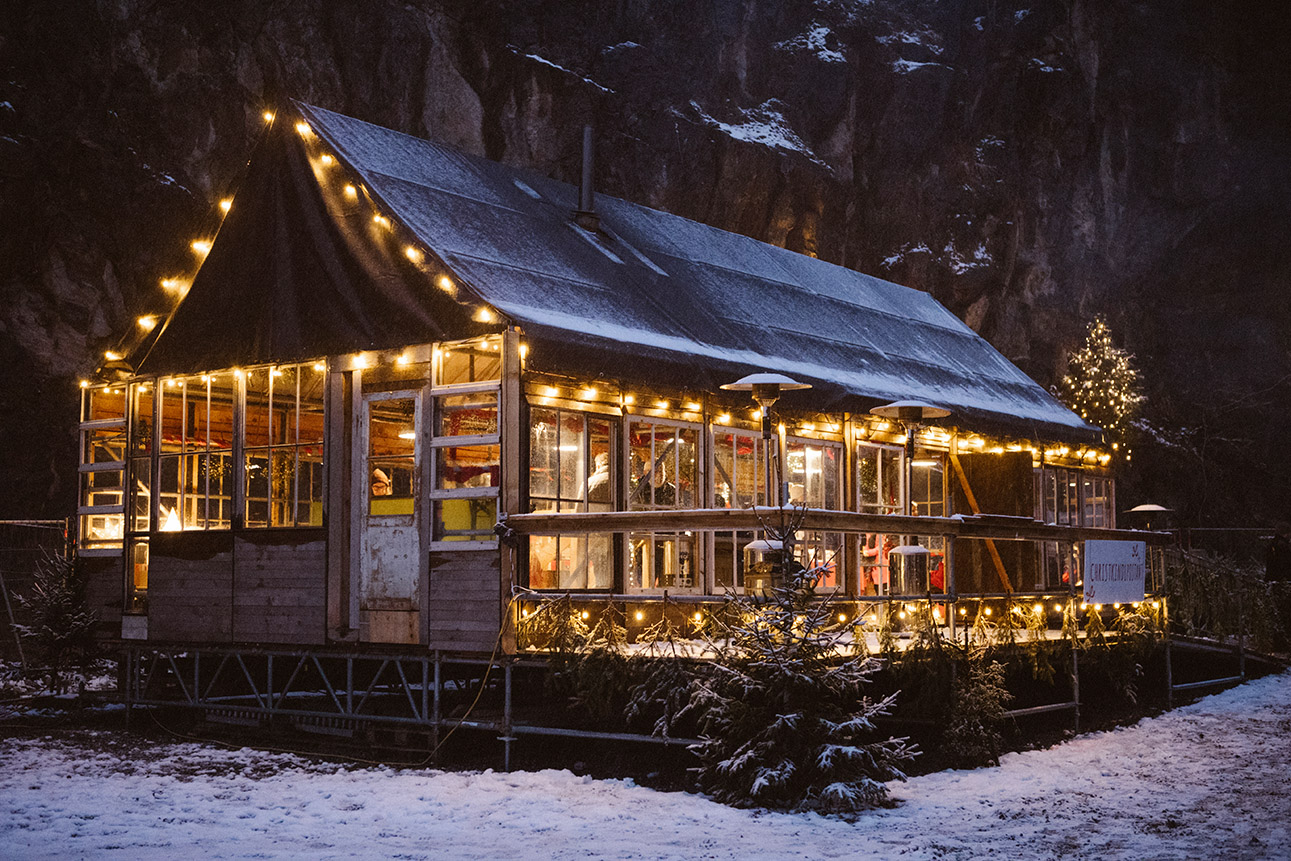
(296, 273)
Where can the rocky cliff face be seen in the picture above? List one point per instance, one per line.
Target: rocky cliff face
(1028, 163)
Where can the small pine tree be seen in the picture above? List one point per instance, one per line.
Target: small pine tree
(973, 735)
(1101, 383)
(781, 712)
(60, 626)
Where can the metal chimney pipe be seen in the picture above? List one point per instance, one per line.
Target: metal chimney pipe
(586, 215)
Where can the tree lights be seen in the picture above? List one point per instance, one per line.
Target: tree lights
(1102, 384)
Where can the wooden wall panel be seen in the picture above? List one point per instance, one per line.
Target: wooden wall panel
(280, 588)
(464, 607)
(104, 591)
(190, 587)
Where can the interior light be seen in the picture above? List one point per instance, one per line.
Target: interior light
(407, 434)
(171, 523)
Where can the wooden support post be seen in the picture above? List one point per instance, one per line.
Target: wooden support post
(507, 738)
(513, 436)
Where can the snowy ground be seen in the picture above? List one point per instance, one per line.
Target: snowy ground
(1207, 781)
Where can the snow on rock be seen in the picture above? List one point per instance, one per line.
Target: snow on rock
(814, 41)
(545, 62)
(925, 39)
(763, 125)
(905, 67)
(959, 264)
(1205, 781)
(1037, 63)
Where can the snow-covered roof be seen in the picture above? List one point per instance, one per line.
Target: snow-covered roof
(649, 290)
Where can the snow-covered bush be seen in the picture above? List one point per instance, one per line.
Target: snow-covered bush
(781, 712)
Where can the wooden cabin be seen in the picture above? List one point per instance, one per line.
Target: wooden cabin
(408, 390)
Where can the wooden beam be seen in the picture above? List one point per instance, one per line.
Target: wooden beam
(977, 509)
(983, 526)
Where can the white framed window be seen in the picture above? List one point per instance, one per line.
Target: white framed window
(101, 493)
(571, 468)
(663, 473)
(465, 444)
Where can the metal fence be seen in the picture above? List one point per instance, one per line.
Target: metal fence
(23, 543)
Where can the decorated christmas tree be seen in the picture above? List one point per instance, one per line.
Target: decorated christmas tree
(1102, 384)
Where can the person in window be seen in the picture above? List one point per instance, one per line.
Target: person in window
(381, 483)
(598, 483)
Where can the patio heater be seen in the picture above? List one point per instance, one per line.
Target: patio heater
(766, 389)
(911, 415)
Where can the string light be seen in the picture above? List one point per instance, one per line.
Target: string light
(226, 204)
(303, 129)
(413, 253)
(147, 323)
(202, 246)
(351, 192)
(268, 116)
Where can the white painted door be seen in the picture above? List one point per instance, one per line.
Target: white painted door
(388, 498)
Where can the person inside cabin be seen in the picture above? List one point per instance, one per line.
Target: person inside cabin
(381, 483)
(598, 483)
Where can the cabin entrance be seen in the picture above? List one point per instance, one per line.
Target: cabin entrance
(388, 502)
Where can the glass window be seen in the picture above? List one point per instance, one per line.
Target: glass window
(662, 474)
(392, 458)
(738, 481)
(879, 484)
(101, 490)
(812, 472)
(196, 449)
(571, 469)
(283, 445)
(470, 362)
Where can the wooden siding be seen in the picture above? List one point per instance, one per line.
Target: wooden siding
(464, 608)
(190, 587)
(279, 588)
(104, 591)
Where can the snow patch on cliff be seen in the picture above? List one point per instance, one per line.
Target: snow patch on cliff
(905, 67)
(922, 40)
(763, 125)
(956, 262)
(814, 41)
(544, 61)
